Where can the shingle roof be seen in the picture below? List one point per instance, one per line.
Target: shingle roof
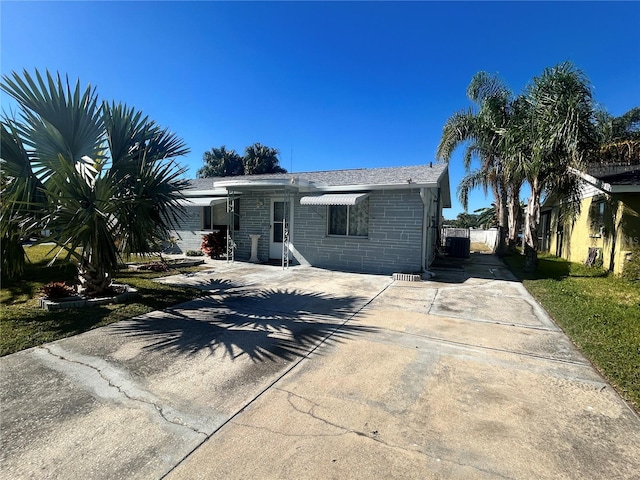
(626, 178)
(415, 174)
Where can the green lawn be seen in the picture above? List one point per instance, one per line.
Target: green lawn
(24, 324)
(600, 312)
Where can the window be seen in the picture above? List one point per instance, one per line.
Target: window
(236, 214)
(216, 216)
(599, 212)
(349, 220)
(206, 218)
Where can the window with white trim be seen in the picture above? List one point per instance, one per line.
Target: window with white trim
(216, 216)
(349, 220)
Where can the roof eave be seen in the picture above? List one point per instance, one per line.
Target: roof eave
(596, 182)
(625, 189)
(214, 192)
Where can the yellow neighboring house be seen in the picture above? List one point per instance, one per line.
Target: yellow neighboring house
(609, 222)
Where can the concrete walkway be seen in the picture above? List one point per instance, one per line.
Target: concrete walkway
(307, 373)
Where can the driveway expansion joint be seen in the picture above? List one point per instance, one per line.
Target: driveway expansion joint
(484, 347)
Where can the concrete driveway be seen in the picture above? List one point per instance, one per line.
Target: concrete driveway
(307, 373)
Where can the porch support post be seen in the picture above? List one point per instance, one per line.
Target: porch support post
(231, 245)
(285, 228)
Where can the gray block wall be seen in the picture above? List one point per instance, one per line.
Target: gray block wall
(255, 211)
(190, 233)
(393, 244)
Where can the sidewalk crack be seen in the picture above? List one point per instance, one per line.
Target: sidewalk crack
(373, 435)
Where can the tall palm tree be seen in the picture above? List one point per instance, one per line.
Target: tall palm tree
(554, 134)
(483, 132)
(260, 159)
(220, 162)
(516, 134)
(100, 177)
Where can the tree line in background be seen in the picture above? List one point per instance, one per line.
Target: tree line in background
(541, 137)
(257, 159)
(484, 218)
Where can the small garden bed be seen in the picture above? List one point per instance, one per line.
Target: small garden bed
(163, 266)
(122, 293)
(24, 324)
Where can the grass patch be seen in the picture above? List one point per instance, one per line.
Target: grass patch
(23, 324)
(600, 312)
(480, 247)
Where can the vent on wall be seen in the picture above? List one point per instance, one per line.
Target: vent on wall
(407, 277)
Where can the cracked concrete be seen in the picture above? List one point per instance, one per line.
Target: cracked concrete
(113, 384)
(305, 373)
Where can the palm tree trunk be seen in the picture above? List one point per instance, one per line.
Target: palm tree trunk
(512, 236)
(500, 194)
(532, 222)
(513, 207)
(13, 256)
(93, 279)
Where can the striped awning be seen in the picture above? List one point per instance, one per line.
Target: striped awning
(334, 199)
(202, 201)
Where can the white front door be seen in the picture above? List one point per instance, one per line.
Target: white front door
(277, 228)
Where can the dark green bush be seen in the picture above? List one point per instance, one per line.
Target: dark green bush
(631, 269)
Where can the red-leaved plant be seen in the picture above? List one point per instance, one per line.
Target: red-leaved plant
(214, 244)
(53, 290)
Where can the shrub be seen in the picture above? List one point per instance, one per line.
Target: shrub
(53, 290)
(194, 253)
(214, 244)
(631, 269)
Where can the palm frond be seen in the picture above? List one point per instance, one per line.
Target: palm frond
(471, 181)
(57, 122)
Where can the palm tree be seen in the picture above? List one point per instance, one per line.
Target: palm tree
(260, 159)
(619, 138)
(100, 177)
(220, 162)
(483, 132)
(514, 175)
(487, 216)
(554, 134)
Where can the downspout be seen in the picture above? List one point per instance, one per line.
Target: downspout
(436, 224)
(438, 216)
(423, 244)
(426, 225)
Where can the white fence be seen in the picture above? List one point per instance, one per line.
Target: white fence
(488, 237)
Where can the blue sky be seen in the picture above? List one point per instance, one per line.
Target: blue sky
(330, 84)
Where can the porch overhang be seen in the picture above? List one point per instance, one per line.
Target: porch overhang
(334, 199)
(201, 201)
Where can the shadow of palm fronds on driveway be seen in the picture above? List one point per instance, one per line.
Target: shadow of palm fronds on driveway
(264, 324)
